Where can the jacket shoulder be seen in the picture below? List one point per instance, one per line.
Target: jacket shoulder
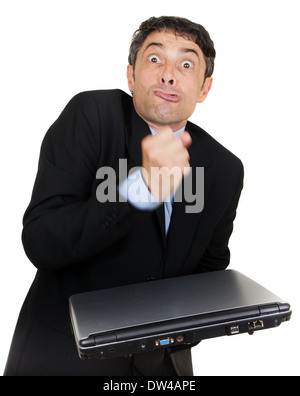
(217, 153)
(102, 97)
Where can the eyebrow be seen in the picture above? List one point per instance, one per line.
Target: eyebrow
(187, 50)
(183, 50)
(153, 43)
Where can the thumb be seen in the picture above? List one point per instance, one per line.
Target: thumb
(186, 139)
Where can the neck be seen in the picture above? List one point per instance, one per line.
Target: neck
(158, 128)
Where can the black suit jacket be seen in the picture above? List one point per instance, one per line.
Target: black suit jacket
(79, 244)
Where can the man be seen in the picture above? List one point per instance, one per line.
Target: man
(79, 241)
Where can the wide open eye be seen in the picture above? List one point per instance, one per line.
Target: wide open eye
(154, 59)
(187, 64)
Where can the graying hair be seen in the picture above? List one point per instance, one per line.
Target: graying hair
(181, 27)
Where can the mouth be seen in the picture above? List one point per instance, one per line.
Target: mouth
(168, 96)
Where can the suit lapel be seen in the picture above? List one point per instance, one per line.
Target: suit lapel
(183, 225)
(136, 129)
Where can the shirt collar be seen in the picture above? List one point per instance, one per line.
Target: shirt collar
(176, 133)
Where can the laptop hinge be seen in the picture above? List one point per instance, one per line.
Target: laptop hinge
(98, 339)
(284, 307)
(268, 309)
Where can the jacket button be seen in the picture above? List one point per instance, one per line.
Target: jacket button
(151, 278)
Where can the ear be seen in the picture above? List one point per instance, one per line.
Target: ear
(130, 78)
(205, 89)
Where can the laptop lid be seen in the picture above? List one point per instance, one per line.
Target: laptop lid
(172, 311)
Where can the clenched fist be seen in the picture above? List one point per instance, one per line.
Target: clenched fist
(165, 162)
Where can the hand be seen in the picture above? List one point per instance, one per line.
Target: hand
(165, 162)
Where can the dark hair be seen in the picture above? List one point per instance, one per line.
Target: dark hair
(181, 27)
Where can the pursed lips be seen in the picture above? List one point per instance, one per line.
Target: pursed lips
(169, 96)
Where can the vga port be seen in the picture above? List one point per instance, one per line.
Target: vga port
(164, 341)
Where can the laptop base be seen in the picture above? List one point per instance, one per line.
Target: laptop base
(136, 318)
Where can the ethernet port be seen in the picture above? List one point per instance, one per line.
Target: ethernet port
(257, 324)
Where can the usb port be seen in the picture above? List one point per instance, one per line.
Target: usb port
(234, 329)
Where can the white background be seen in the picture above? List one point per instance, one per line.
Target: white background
(53, 49)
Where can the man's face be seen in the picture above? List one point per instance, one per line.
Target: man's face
(168, 80)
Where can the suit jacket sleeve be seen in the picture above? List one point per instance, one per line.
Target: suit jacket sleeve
(64, 223)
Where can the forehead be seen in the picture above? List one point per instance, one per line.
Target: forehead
(168, 39)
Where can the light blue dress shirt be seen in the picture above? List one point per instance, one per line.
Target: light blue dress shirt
(137, 194)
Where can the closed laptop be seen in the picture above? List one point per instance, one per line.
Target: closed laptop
(165, 313)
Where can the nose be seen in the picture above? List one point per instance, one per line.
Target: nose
(168, 75)
(165, 81)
